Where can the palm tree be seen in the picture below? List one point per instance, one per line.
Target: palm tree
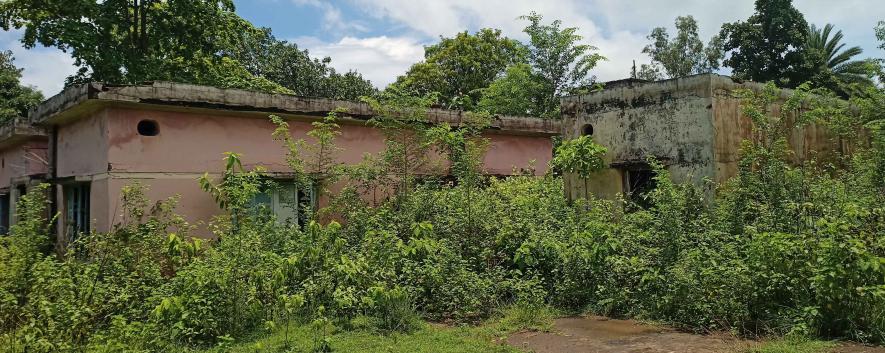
(832, 66)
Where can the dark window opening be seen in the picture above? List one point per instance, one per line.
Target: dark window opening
(148, 128)
(306, 205)
(4, 214)
(77, 206)
(639, 183)
(587, 130)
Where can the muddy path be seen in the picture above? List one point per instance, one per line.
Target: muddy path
(593, 334)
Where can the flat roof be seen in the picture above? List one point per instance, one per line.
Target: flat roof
(18, 130)
(73, 102)
(707, 82)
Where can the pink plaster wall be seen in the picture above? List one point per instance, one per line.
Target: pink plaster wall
(190, 144)
(196, 143)
(520, 152)
(195, 205)
(83, 146)
(17, 161)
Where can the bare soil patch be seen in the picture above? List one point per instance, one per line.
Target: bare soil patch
(594, 334)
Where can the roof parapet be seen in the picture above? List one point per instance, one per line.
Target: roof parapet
(17, 130)
(57, 108)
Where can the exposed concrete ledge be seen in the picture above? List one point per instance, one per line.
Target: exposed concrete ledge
(65, 105)
(700, 85)
(631, 92)
(16, 131)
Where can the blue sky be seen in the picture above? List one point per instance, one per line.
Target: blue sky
(381, 38)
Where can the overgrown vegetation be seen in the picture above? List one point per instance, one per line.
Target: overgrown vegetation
(781, 249)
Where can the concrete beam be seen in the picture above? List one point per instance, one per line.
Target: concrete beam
(65, 105)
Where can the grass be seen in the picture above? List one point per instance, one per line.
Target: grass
(791, 345)
(363, 337)
(428, 338)
(526, 318)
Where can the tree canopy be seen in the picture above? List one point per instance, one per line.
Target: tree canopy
(284, 63)
(559, 58)
(15, 98)
(832, 65)
(768, 45)
(457, 68)
(682, 55)
(489, 72)
(192, 41)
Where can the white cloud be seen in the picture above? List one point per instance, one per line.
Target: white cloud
(332, 18)
(400, 28)
(434, 18)
(379, 59)
(44, 68)
(618, 28)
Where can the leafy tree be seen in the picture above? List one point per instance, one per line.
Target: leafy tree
(558, 60)
(768, 45)
(516, 93)
(284, 63)
(458, 67)
(581, 156)
(683, 55)
(128, 41)
(15, 99)
(832, 66)
(880, 34)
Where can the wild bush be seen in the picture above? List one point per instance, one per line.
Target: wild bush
(782, 248)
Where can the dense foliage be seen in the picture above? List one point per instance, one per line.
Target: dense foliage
(192, 41)
(831, 63)
(768, 45)
(491, 73)
(683, 55)
(458, 68)
(780, 248)
(15, 98)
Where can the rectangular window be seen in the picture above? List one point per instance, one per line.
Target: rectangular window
(77, 206)
(287, 202)
(638, 183)
(4, 214)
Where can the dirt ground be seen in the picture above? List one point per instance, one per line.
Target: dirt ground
(595, 334)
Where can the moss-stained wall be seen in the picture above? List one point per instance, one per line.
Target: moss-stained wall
(694, 125)
(669, 120)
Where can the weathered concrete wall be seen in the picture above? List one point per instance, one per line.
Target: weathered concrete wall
(19, 161)
(194, 204)
(694, 125)
(669, 120)
(732, 128)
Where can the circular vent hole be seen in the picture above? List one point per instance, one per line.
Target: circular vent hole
(587, 130)
(148, 128)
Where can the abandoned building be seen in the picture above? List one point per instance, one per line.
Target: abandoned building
(693, 125)
(91, 140)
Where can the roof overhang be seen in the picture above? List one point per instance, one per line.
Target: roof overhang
(15, 132)
(79, 101)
